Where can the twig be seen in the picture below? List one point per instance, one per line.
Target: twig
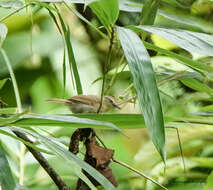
(115, 75)
(180, 145)
(138, 172)
(127, 100)
(95, 134)
(43, 162)
(172, 77)
(106, 65)
(12, 13)
(126, 90)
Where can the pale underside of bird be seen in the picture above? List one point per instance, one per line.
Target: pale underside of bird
(87, 103)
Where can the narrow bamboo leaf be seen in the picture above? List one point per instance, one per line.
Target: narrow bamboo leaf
(206, 114)
(55, 20)
(71, 160)
(2, 82)
(185, 60)
(196, 85)
(4, 132)
(54, 120)
(64, 28)
(209, 182)
(11, 4)
(72, 62)
(149, 12)
(187, 21)
(8, 120)
(191, 41)
(46, 5)
(6, 179)
(64, 70)
(106, 10)
(145, 85)
(3, 33)
(71, 57)
(8, 110)
(207, 108)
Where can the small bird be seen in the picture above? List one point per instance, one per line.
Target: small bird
(87, 103)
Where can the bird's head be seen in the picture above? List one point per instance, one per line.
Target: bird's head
(110, 102)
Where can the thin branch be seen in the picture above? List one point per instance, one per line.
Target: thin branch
(194, 120)
(138, 172)
(127, 100)
(175, 76)
(115, 75)
(106, 66)
(180, 145)
(43, 162)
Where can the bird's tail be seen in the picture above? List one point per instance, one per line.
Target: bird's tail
(57, 100)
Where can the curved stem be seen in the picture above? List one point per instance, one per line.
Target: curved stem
(180, 146)
(138, 172)
(15, 86)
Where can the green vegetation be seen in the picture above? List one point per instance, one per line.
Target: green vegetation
(154, 56)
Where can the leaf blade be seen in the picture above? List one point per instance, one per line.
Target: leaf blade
(149, 12)
(145, 84)
(190, 41)
(3, 33)
(6, 178)
(106, 10)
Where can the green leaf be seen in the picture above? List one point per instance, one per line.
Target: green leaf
(193, 42)
(46, 5)
(2, 82)
(207, 108)
(149, 12)
(145, 85)
(172, 15)
(64, 70)
(72, 62)
(3, 33)
(196, 85)
(71, 160)
(4, 132)
(14, 118)
(8, 110)
(56, 120)
(71, 57)
(209, 183)
(6, 179)
(106, 10)
(184, 60)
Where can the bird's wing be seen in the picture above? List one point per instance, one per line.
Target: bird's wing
(85, 99)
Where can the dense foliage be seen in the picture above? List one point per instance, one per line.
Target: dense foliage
(154, 56)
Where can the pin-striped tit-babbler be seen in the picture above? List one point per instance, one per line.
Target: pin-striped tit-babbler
(87, 103)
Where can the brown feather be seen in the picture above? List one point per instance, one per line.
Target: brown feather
(85, 99)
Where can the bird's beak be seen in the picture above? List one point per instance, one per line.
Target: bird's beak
(115, 105)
